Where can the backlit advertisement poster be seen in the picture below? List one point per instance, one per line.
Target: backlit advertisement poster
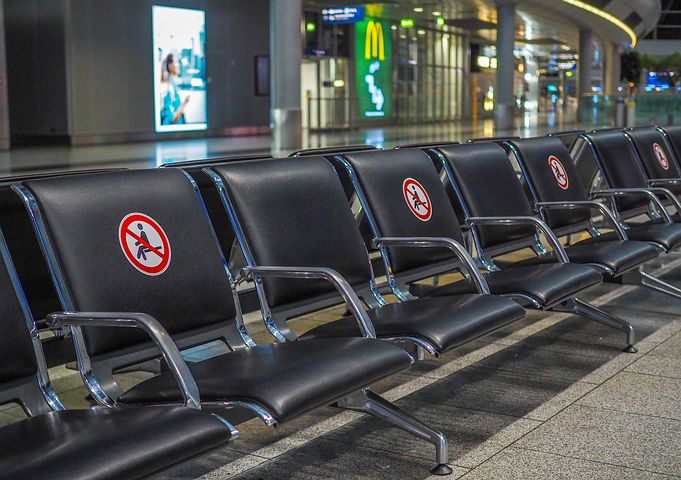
(179, 69)
(373, 43)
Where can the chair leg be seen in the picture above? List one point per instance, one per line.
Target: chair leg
(369, 402)
(639, 277)
(586, 310)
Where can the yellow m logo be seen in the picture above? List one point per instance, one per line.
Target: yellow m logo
(374, 46)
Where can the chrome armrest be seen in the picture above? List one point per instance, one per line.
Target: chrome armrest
(578, 204)
(170, 352)
(430, 242)
(641, 192)
(654, 182)
(336, 279)
(665, 192)
(538, 224)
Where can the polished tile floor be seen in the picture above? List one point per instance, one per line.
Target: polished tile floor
(151, 154)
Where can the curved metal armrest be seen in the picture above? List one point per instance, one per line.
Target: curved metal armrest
(453, 245)
(656, 182)
(538, 225)
(336, 279)
(640, 192)
(578, 204)
(665, 192)
(177, 365)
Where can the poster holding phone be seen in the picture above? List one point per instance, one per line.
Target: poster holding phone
(179, 69)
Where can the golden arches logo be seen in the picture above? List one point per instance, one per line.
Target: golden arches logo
(374, 45)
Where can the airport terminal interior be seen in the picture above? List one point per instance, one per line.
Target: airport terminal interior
(309, 239)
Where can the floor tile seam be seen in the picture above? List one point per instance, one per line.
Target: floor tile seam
(625, 412)
(588, 460)
(646, 374)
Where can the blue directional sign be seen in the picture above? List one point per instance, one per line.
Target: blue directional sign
(343, 14)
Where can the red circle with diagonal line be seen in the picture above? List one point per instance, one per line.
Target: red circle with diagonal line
(417, 199)
(144, 243)
(661, 156)
(559, 173)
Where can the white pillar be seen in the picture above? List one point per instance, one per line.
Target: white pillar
(504, 100)
(286, 52)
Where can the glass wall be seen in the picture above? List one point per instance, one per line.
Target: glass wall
(430, 75)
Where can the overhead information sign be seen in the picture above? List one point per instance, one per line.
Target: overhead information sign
(343, 15)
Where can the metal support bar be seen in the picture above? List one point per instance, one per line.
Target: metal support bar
(369, 402)
(639, 277)
(458, 250)
(336, 279)
(170, 352)
(586, 310)
(591, 204)
(538, 224)
(633, 192)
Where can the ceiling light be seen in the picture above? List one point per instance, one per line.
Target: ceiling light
(418, 9)
(605, 16)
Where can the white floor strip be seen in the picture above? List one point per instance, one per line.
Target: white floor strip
(495, 443)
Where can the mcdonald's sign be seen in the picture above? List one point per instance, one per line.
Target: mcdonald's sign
(374, 42)
(373, 81)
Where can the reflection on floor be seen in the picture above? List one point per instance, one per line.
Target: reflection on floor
(152, 154)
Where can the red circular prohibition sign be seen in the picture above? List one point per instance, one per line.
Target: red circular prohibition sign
(660, 155)
(417, 199)
(144, 243)
(559, 172)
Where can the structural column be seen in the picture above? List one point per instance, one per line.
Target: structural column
(4, 106)
(586, 60)
(286, 52)
(505, 107)
(613, 68)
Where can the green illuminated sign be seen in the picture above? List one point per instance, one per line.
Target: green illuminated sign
(373, 44)
(407, 23)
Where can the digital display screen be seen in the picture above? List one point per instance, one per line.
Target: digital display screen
(179, 64)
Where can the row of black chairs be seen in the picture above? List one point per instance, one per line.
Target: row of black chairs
(152, 251)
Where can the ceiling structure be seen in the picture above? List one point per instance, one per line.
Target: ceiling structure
(543, 26)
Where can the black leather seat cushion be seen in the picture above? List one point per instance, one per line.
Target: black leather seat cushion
(288, 379)
(666, 234)
(106, 444)
(547, 284)
(445, 323)
(618, 256)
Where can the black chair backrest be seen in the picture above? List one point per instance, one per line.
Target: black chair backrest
(329, 151)
(568, 137)
(211, 198)
(486, 186)
(24, 247)
(293, 212)
(499, 139)
(207, 162)
(618, 164)
(673, 134)
(657, 158)
(134, 241)
(426, 145)
(19, 370)
(405, 197)
(551, 177)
